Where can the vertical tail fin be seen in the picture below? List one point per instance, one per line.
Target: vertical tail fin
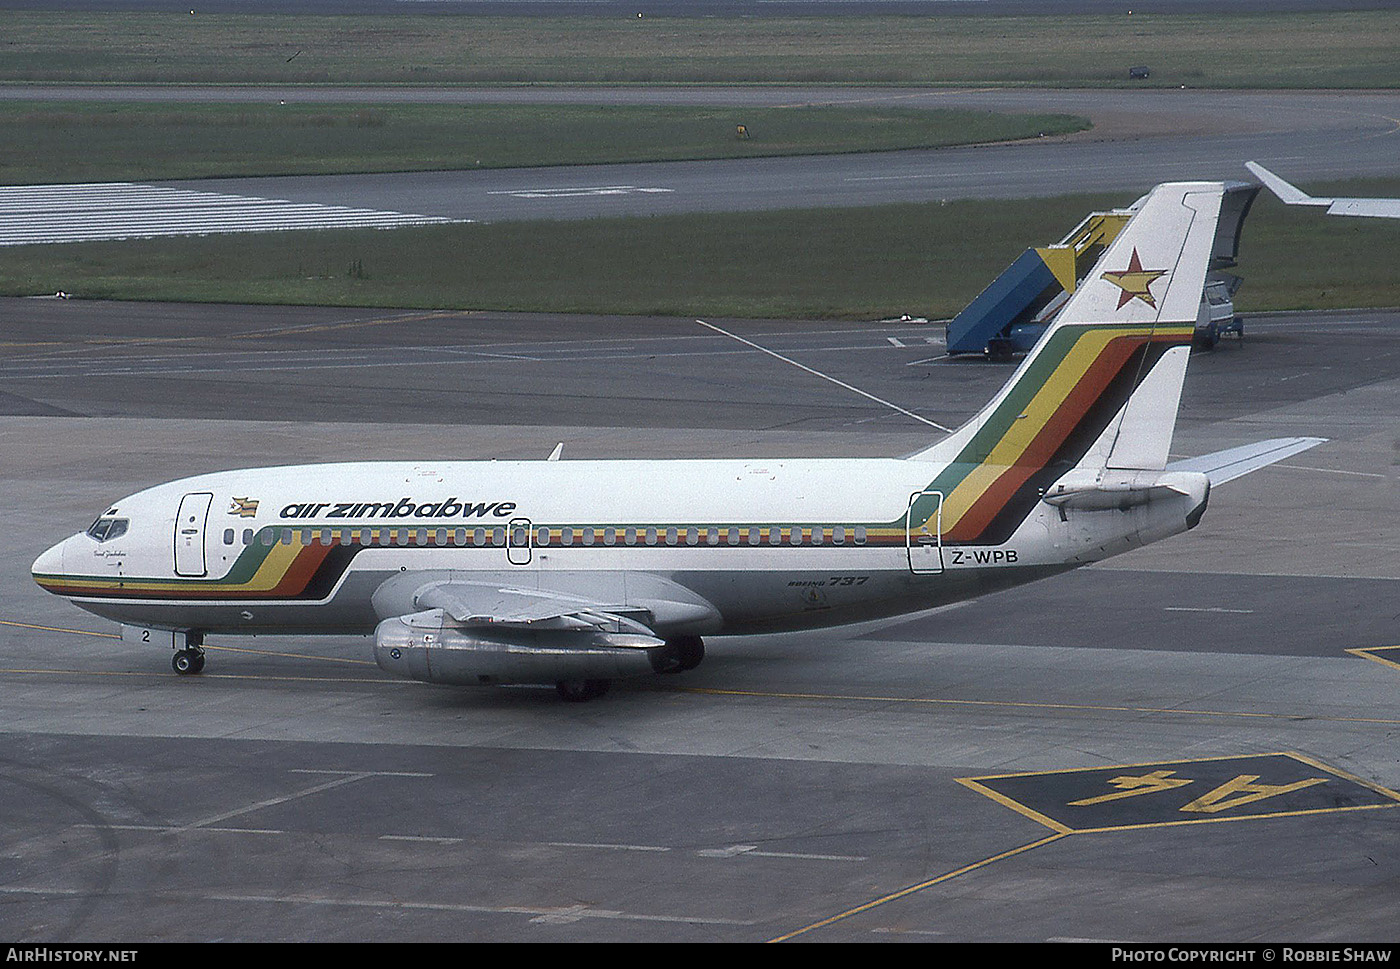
(1102, 384)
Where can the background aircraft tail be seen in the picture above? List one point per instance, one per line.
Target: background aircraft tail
(1101, 387)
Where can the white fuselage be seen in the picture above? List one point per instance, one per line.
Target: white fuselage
(771, 544)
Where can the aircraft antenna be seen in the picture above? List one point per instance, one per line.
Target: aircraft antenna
(839, 383)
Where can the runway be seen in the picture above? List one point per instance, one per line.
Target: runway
(1140, 138)
(35, 214)
(694, 8)
(942, 777)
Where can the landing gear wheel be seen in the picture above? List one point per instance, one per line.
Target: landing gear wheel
(581, 691)
(188, 661)
(688, 650)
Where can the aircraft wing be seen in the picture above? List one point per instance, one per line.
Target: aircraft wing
(1235, 462)
(489, 604)
(549, 600)
(444, 627)
(1375, 208)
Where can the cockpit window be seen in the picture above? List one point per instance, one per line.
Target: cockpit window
(106, 529)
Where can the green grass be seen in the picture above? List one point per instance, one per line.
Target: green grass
(85, 141)
(840, 263)
(1344, 49)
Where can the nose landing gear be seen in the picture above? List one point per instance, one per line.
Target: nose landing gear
(188, 661)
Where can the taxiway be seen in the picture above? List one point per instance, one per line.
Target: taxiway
(938, 777)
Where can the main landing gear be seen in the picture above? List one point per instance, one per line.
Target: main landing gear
(188, 661)
(688, 652)
(683, 653)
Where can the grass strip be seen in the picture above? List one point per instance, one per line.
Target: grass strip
(85, 141)
(866, 263)
(1322, 49)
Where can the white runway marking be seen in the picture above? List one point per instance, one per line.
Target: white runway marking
(604, 847)
(573, 193)
(1242, 612)
(570, 913)
(751, 851)
(106, 211)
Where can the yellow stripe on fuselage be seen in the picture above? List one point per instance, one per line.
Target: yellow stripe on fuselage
(271, 572)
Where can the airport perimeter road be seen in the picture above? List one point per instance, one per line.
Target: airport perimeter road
(1195, 741)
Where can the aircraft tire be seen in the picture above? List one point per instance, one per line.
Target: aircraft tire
(187, 662)
(689, 652)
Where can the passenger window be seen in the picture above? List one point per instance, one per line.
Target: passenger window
(247, 536)
(228, 536)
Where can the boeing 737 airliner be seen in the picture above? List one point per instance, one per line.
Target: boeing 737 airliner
(579, 572)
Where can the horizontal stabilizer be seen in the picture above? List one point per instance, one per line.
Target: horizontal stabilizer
(1236, 462)
(1375, 208)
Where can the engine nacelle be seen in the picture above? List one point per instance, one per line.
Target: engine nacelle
(422, 646)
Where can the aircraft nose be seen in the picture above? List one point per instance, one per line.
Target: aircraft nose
(49, 563)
